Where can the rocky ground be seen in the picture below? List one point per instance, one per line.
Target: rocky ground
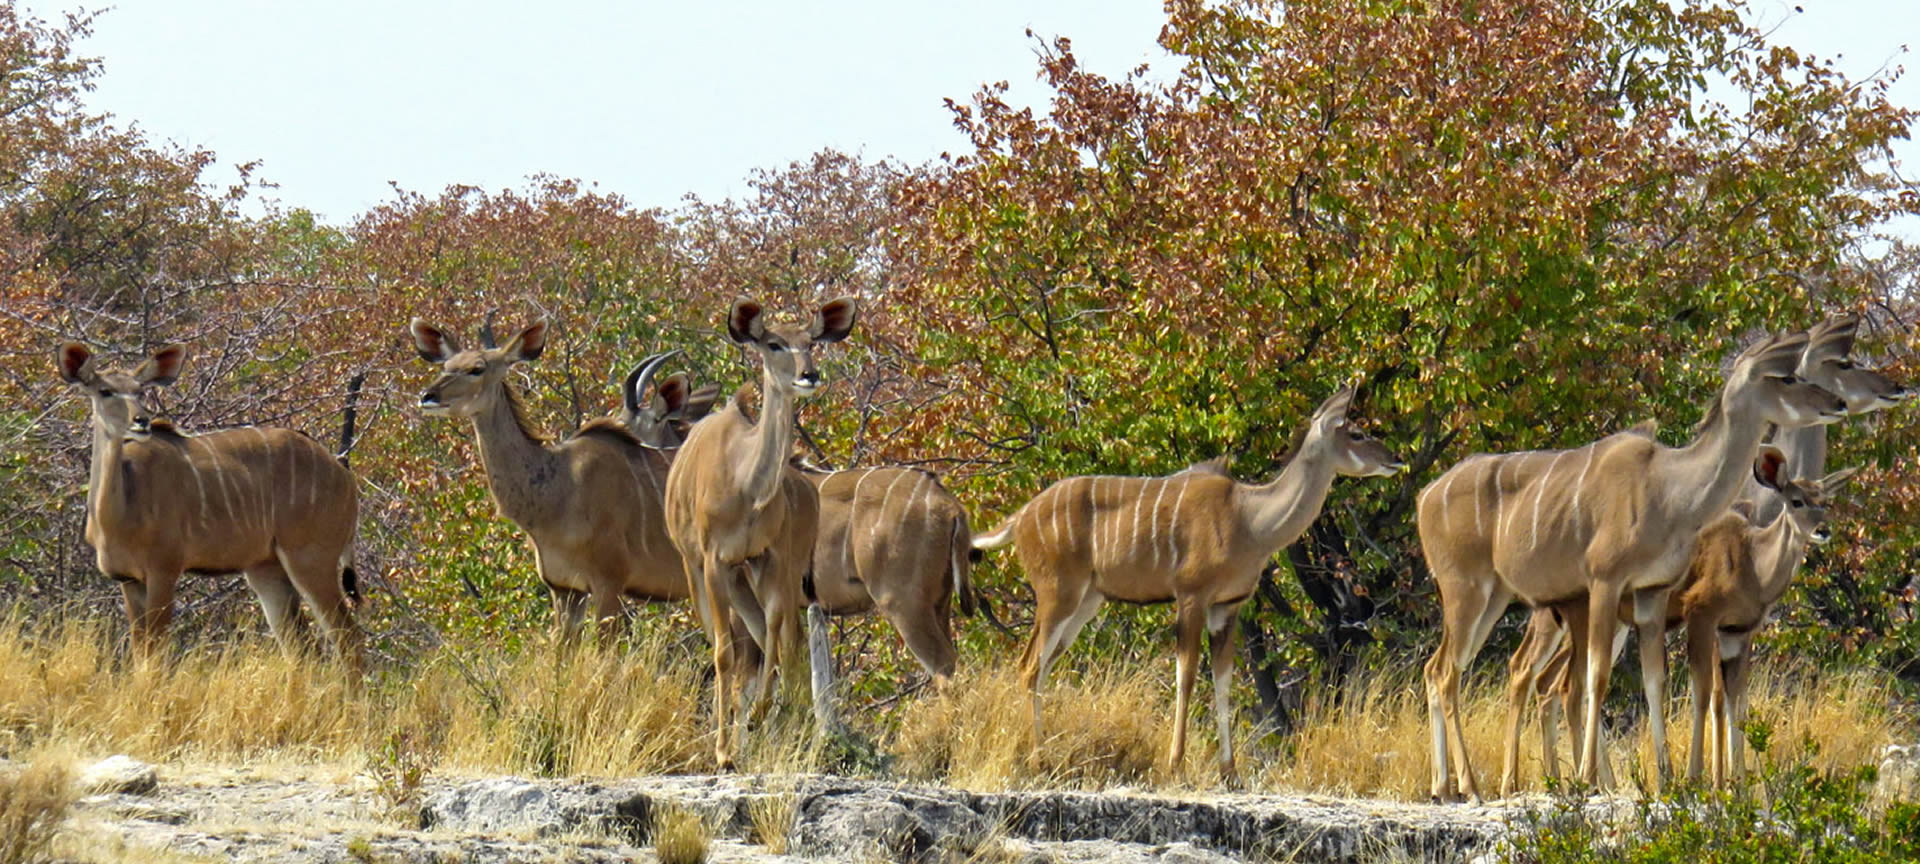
(262, 816)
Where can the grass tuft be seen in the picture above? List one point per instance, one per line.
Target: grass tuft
(34, 802)
(680, 836)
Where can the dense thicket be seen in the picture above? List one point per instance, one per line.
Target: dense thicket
(1519, 224)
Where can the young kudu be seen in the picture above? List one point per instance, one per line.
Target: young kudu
(591, 503)
(1827, 362)
(1196, 538)
(1738, 573)
(896, 540)
(271, 503)
(1616, 518)
(743, 520)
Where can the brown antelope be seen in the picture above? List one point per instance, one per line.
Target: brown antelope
(1615, 518)
(1738, 572)
(743, 520)
(1826, 362)
(1196, 538)
(591, 503)
(896, 540)
(270, 503)
(662, 421)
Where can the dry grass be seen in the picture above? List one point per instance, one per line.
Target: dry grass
(34, 801)
(644, 711)
(680, 837)
(771, 818)
(1109, 727)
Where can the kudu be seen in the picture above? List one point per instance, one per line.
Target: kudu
(661, 422)
(743, 520)
(1538, 663)
(1196, 538)
(1615, 518)
(270, 503)
(895, 540)
(591, 503)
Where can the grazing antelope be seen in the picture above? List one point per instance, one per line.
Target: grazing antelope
(591, 503)
(270, 503)
(743, 520)
(1615, 518)
(1196, 538)
(1538, 662)
(896, 540)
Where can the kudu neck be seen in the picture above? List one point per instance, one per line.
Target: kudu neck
(1777, 550)
(1282, 508)
(1703, 477)
(518, 464)
(100, 473)
(772, 440)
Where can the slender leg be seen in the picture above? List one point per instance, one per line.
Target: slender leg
(135, 594)
(1524, 668)
(1603, 602)
(279, 602)
(712, 604)
(1190, 621)
(1220, 630)
(1738, 672)
(926, 631)
(606, 613)
(569, 610)
(1057, 622)
(159, 611)
(1649, 618)
(1702, 658)
(317, 576)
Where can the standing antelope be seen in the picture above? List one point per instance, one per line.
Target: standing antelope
(1612, 519)
(1738, 572)
(1196, 538)
(896, 540)
(591, 504)
(743, 520)
(1538, 663)
(271, 503)
(662, 421)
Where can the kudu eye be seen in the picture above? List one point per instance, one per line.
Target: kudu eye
(476, 371)
(107, 392)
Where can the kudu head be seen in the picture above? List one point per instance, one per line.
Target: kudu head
(1829, 362)
(662, 421)
(1805, 499)
(787, 349)
(1765, 384)
(1355, 453)
(470, 380)
(115, 394)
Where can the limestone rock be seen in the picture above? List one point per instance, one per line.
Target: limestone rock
(119, 775)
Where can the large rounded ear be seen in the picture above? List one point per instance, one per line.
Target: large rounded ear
(434, 344)
(1833, 482)
(1770, 467)
(163, 367)
(833, 322)
(671, 396)
(1833, 337)
(76, 363)
(528, 343)
(744, 323)
(1335, 408)
(699, 403)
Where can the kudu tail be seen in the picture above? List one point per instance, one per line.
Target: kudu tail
(962, 555)
(349, 580)
(1001, 535)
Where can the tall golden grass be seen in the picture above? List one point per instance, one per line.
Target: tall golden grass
(643, 708)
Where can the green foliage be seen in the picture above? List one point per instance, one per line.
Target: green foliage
(1798, 814)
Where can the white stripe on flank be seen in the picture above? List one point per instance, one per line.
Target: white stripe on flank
(1580, 486)
(291, 449)
(853, 512)
(1173, 525)
(1478, 529)
(202, 486)
(1533, 536)
(917, 503)
(1446, 501)
(266, 483)
(1139, 501)
(226, 500)
(1066, 498)
(886, 494)
(313, 482)
(1154, 538)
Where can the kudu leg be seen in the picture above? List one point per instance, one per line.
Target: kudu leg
(569, 611)
(710, 600)
(1702, 657)
(1220, 630)
(134, 592)
(1524, 669)
(1603, 603)
(1190, 620)
(317, 577)
(927, 632)
(279, 602)
(159, 612)
(1055, 625)
(1738, 675)
(1649, 619)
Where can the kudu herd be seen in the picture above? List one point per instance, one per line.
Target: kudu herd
(675, 500)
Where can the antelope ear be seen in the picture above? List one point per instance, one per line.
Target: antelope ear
(76, 363)
(1335, 408)
(1834, 337)
(670, 396)
(528, 343)
(1769, 468)
(434, 344)
(699, 403)
(163, 367)
(744, 323)
(833, 322)
(1833, 482)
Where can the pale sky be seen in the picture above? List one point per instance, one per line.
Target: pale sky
(649, 100)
